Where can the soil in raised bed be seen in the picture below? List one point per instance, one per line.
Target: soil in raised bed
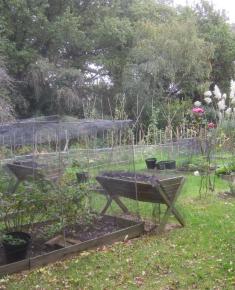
(100, 227)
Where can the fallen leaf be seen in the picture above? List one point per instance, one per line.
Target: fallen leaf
(139, 281)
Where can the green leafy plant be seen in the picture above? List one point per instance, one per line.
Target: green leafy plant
(11, 240)
(226, 169)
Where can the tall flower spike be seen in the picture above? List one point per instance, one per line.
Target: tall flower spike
(197, 104)
(208, 94)
(232, 89)
(228, 111)
(208, 100)
(221, 105)
(233, 101)
(217, 92)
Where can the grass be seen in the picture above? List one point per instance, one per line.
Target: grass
(199, 256)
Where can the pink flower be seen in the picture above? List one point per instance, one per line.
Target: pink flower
(211, 125)
(198, 111)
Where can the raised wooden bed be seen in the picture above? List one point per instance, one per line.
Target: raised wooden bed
(144, 188)
(229, 177)
(131, 229)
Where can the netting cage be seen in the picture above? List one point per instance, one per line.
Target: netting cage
(60, 185)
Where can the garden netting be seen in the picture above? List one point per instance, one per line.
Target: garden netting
(49, 186)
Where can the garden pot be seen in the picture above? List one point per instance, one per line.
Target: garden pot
(170, 164)
(16, 252)
(167, 164)
(82, 177)
(161, 165)
(151, 163)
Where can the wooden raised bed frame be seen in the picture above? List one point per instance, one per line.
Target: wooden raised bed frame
(143, 188)
(32, 171)
(132, 230)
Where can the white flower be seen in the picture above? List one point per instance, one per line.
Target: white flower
(34, 18)
(217, 92)
(221, 105)
(224, 96)
(196, 173)
(197, 104)
(228, 111)
(233, 101)
(232, 89)
(220, 115)
(208, 94)
(208, 100)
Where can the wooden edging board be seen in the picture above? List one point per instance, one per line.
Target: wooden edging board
(132, 230)
(229, 177)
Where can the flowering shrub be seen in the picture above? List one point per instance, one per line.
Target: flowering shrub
(198, 111)
(211, 125)
(211, 114)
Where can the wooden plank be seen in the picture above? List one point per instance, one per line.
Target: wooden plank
(171, 208)
(61, 241)
(120, 204)
(14, 267)
(141, 191)
(73, 241)
(131, 232)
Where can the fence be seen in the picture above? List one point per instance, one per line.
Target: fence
(155, 136)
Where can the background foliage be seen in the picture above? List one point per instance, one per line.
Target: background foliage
(71, 57)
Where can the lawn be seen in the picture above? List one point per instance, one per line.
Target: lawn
(199, 256)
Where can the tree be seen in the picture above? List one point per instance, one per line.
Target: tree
(6, 88)
(213, 27)
(164, 54)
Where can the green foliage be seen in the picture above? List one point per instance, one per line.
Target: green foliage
(9, 239)
(6, 89)
(166, 54)
(98, 51)
(40, 200)
(226, 169)
(174, 260)
(216, 31)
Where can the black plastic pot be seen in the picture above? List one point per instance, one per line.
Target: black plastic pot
(13, 252)
(151, 163)
(167, 164)
(170, 164)
(82, 177)
(161, 165)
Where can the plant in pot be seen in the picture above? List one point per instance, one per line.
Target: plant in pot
(15, 240)
(15, 245)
